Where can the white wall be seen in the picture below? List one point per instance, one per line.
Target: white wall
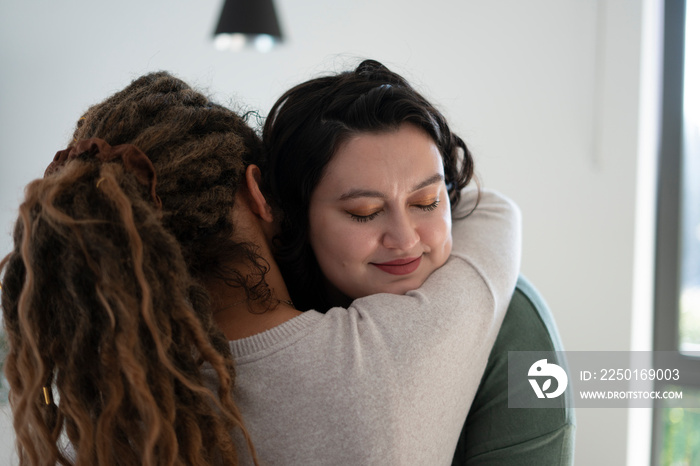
(546, 92)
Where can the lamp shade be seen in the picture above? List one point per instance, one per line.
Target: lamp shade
(247, 22)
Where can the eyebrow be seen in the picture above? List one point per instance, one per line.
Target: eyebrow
(358, 193)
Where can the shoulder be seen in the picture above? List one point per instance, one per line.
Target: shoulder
(545, 436)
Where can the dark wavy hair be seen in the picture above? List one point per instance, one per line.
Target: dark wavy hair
(304, 129)
(102, 296)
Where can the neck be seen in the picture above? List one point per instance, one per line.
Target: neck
(237, 316)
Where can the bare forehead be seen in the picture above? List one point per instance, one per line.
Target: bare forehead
(356, 193)
(379, 164)
(408, 143)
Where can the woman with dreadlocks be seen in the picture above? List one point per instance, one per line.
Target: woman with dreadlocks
(148, 245)
(103, 300)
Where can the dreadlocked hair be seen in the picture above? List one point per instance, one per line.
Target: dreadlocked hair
(200, 151)
(102, 298)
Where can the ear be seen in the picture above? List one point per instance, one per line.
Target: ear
(258, 203)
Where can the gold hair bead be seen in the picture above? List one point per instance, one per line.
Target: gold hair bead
(99, 181)
(47, 395)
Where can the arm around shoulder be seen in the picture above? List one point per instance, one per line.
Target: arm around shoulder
(489, 238)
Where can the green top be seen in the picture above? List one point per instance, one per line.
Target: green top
(497, 435)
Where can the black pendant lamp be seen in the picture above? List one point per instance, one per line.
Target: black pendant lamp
(247, 23)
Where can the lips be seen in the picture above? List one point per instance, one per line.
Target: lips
(399, 266)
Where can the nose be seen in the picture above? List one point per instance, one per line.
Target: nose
(400, 233)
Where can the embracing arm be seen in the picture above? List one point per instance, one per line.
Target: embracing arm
(489, 240)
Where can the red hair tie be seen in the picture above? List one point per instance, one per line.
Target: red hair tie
(135, 161)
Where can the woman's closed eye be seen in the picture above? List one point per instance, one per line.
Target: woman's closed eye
(363, 216)
(428, 207)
